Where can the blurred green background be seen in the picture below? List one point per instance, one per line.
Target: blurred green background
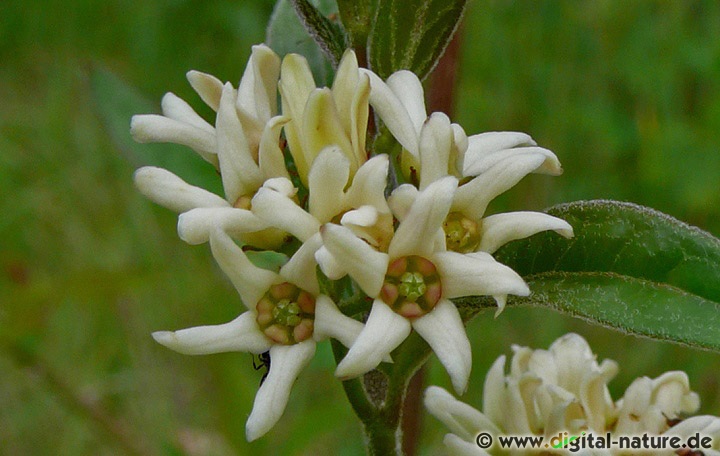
(626, 93)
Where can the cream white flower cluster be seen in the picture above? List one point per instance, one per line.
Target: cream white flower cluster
(305, 175)
(564, 389)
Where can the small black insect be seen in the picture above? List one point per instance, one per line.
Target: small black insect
(264, 361)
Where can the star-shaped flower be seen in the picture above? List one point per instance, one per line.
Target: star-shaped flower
(487, 165)
(243, 144)
(412, 284)
(286, 316)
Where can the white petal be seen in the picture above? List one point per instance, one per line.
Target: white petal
(322, 128)
(176, 108)
(270, 157)
(402, 199)
(295, 85)
(168, 190)
(240, 174)
(241, 334)
(435, 144)
(368, 185)
(443, 329)
(300, 269)
(257, 91)
(482, 146)
(332, 268)
(494, 391)
(331, 323)
(497, 230)
(383, 332)
(207, 86)
(344, 87)
(424, 220)
(460, 144)
(363, 216)
(250, 281)
(393, 113)
(281, 212)
(151, 128)
(286, 362)
(476, 274)
(360, 113)
(475, 165)
(327, 180)
(459, 417)
(365, 265)
(194, 226)
(407, 87)
(473, 198)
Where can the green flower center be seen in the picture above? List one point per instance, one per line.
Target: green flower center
(286, 314)
(461, 233)
(412, 286)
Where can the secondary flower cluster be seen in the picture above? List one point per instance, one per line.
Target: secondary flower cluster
(303, 177)
(564, 389)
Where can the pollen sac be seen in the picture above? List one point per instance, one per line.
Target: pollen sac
(412, 286)
(461, 233)
(286, 314)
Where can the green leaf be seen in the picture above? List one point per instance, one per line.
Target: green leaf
(631, 305)
(412, 34)
(116, 102)
(356, 16)
(328, 35)
(628, 267)
(286, 34)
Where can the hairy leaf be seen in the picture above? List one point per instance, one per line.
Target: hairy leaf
(412, 34)
(628, 267)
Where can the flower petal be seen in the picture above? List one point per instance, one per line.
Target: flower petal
(300, 269)
(436, 139)
(176, 108)
(476, 274)
(240, 174)
(270, 157)
(368, 185)
(408, 89)
(393, 113)
(332, 268)
(424, 220)
(473, 198)
(365, 265)
(344, 87)
(462, 419)
(207, 86)
(295, 85)
(497, 230)
(151, 128)
(257, 91)
(327, 180)
(322, 128)
(272, 397)
(494, 391)
(383, 332)
(402, 199)
(195, 225)
(484, 144)
(278, 210)
(250, 281)
(475, 165)
(168, 190)
(241, 334)
(360, 114)
(443, 329)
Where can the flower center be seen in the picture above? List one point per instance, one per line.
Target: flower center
(286, 314)
(412, 286)
(461, 234)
